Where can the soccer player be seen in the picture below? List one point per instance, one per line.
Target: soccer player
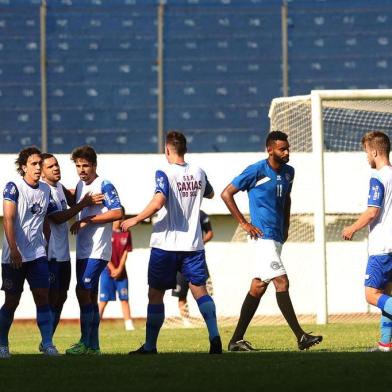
(114, 277)
(182, 287)
(268, 183)
(176, 241)
(26, 202)
(93, 230)
(378, 216)
(58, 248)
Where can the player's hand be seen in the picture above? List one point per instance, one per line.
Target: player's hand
(77, 226)
(91, 199)
(128, 223)
(15, 259)
(252, 231)
(115, 273)
(348, 233)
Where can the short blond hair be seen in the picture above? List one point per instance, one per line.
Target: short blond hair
(377, 140)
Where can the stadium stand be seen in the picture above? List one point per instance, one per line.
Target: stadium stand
(222, 66)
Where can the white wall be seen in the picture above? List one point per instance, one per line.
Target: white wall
(133, 175)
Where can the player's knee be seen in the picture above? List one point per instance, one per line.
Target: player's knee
(11, 302)
(281, 283)
(41, 296)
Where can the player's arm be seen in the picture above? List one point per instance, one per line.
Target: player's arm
(209, 190)
(206, 227)
(89, 199)
(157, 202)
(106, 217)
(365, 219)
(228, 197)
(70, 196)
(286, 217)
(9, 216)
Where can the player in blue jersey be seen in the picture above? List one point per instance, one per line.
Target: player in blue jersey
(93, 229)
(26, 202)
(268, 183)
(58, 247)
(176, 241)
(378, 216)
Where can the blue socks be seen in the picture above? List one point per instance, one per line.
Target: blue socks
(6, 318)
(385, 328)
(94, 332)
(86, 321)
(207, 309)
(155, 318)
(45, 324)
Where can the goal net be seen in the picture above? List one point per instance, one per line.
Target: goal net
(330, 189)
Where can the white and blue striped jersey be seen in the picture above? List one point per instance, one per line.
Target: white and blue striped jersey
(95, 240)
(58, 243)
(267, 192)
(380, 196)
(177, 226)
(33, 203)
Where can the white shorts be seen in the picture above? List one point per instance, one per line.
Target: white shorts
(265, 259)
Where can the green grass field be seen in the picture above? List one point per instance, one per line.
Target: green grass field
(339, 363)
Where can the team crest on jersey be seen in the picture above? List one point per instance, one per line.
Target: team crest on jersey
(36, 209)
(160, 182)
(287, 175)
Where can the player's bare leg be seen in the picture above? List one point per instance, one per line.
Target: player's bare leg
(184, 312)
(6, 318)
(102, 306)
(126, 311)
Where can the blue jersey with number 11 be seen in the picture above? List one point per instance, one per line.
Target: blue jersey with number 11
(267, 192)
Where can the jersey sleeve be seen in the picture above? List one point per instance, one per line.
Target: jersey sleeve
(112, 200)
(161, 183)
(376, 193)
(247, 179)
(209, 189)
(11, 192)
(52, 206)
(205, 222)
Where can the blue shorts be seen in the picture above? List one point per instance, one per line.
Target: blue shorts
(60, 274)
(88, 272)
(378, 271)
(109, 286)
(36, 272)
(163, 267)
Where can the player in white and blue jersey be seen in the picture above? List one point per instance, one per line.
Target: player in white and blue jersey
(26, 202)
(378, 216)
(93, 229)
(176, 241)
(58, 247)
(268, 184)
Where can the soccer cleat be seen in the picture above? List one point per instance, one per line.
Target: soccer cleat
(129, 325)
(50, 351)
(4, 352)
(77, 349)
(216, 345)
(93, 351)
(141, 350)
(241, 345)
(308, 341)
(381, 347)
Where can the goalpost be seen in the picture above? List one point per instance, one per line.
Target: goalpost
(328, 125)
